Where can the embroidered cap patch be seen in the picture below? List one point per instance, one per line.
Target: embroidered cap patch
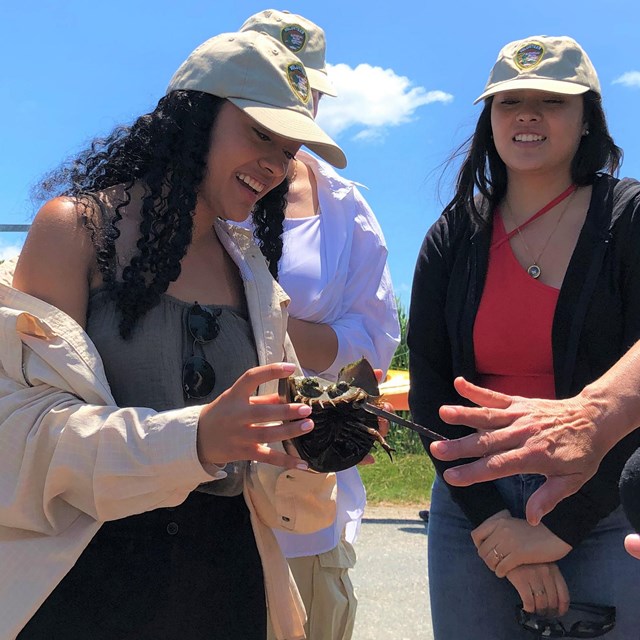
(529, 55)
(294, 37)
(298, 80)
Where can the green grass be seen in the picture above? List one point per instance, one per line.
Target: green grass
(406, 480)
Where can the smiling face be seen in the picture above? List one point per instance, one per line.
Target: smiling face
(245, 161)
(537, 131)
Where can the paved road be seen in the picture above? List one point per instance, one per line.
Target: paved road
(390, 576)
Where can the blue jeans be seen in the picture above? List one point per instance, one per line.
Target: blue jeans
(469, 602)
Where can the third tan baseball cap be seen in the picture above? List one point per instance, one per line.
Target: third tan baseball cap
(301, 36)
(547, 63)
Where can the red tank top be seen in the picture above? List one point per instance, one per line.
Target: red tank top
(512, 330)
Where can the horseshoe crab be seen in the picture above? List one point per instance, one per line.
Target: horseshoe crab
(344, 432)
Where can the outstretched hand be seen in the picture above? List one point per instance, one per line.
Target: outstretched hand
(556, 438)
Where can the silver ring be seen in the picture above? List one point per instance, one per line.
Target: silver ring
(539, 593)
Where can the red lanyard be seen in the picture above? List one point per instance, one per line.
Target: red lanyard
(557, 200)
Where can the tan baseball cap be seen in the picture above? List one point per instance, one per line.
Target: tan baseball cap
(546, 63)
(263, 78)
(303, 37)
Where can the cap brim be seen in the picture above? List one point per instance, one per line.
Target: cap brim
(294, 125)
(539, 84)
(320, 82)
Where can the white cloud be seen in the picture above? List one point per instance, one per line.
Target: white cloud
(372, 99)
(8, 250)
(629, 79)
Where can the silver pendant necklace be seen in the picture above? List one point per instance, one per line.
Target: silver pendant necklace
(534, 269)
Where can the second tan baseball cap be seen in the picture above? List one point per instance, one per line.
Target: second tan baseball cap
(547, 63)
(302, 37)
(263, 78)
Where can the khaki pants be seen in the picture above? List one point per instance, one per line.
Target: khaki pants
(327, 593)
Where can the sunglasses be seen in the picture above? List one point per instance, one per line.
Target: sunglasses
(198, 376)
(583, 620)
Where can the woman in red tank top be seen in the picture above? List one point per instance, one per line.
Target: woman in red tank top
(524, 286)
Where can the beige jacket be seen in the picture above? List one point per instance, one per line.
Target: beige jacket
(71, 459)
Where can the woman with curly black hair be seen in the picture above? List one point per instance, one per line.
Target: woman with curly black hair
(132, 291)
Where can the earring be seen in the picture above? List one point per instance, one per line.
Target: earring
(585, 132)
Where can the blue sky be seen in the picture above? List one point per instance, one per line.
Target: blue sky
(408, 73)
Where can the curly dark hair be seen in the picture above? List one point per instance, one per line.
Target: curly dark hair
(165, 151)
(483, 172)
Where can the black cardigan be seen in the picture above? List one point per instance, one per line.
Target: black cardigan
(597, 319)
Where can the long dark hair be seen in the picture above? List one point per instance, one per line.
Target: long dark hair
(484, 173)
(165, 151)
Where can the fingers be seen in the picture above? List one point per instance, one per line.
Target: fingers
(499, 560)
(267, 455)
(236, 424)
(506, 563)
(489, 541)
(267, 398)
(546, 498)
(528, 599)
(551, 596)
(542, 588)
(278, 412)
(476, 417)
(480, 395)
(632, 545)
(492, 558)
(490, 467)
(368, 459)
(545, 594)
(477, 445)
(564, 598)
(540, 599)
(383, 423)
(480, 534)
(278, 431)
(494, 549)
(251, 379)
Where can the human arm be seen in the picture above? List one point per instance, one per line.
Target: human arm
(568, 439)
(434, 318)
(57, 266)
(56, 261)
(316, 343)
(563, 439)
(356, 306)
(69, 449)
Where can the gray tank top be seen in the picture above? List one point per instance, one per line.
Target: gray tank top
(146, 370)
